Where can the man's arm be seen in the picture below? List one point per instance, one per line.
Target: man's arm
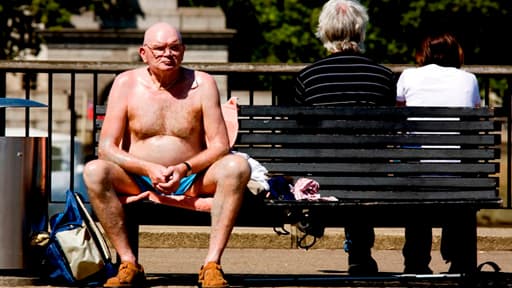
(213, 122)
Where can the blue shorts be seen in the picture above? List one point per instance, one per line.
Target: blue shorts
(145, 184)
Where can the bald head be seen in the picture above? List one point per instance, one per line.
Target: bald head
(161, 33)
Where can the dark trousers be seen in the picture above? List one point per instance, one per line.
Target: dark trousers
(454, 248)
(359, 241)
(417, 247)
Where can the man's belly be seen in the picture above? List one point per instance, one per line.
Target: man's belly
(165, 150)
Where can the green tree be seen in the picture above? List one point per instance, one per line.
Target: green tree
(289, 23)
(283, 30)
(397, 26)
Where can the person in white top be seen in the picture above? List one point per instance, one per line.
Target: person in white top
(436, 85)
(438, 80)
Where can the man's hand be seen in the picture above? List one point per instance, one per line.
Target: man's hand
(157, 174)
(173, 176)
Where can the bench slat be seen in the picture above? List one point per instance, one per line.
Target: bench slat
(329, 154)
(405, 182)
(382, 168)
(411, 195)
(355, 140)
(363, 125)
(362, 112)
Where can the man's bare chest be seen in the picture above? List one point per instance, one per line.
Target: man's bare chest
(156, 116)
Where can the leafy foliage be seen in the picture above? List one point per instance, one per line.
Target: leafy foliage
(283, 30)
(397, 26)
(278, 31)
(285, 24)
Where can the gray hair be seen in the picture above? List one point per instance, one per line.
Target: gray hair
(342, 26)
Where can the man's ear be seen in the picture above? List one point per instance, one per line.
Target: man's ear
(142, 54)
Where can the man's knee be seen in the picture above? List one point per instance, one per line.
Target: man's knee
(235, 166)
(95, 172)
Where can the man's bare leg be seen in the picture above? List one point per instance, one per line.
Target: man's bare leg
(229, 177)
(99, 177)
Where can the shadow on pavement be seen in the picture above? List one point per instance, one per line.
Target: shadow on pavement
(477, 280)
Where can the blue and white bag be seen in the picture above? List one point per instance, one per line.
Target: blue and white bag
(76, 253)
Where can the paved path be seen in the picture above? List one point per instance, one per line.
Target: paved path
(246, 264)
(169, 267)
(289, 263)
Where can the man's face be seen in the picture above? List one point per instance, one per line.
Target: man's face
(163, 50)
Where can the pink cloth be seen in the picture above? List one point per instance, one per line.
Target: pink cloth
(230, 115)
(306, 189)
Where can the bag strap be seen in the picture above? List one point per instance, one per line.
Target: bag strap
(493, 265)
(95, 231)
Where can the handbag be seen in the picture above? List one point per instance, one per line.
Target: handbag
(77, 252)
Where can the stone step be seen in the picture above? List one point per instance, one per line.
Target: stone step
(489, 239)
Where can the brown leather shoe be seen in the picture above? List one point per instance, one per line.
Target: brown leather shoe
(212, 276)
(128, 275)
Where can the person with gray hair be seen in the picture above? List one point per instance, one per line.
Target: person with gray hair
(345, 33)
(347, 78)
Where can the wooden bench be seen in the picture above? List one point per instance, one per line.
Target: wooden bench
(374, 160)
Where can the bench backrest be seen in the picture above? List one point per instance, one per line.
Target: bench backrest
(369, 153)
(366, 154)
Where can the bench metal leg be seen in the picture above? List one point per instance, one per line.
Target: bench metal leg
(132, 228)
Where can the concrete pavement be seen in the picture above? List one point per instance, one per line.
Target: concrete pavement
(252, 267)
(258, 257)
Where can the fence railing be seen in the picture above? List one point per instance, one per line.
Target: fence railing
(71, 89)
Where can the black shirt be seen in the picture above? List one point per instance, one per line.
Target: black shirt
(349, 80)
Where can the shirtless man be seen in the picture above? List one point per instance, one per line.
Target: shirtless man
(164, 122)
